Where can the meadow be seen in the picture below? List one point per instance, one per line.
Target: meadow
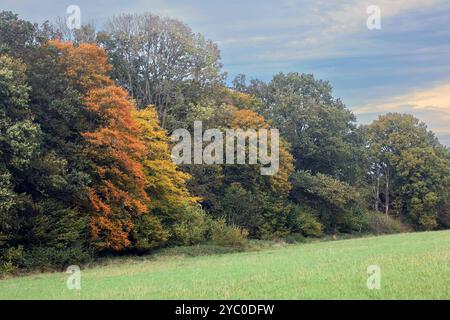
(413, 266)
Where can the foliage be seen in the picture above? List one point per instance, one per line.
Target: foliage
(320, 130)
(10, 259)
(266, 215)
(49, 258)
(378, 223)
(413, 167)
(148, 233)
(279, 182)
(86, 64)
(19, 137)
(305, 222)
(192, 226)
(117, 195)
(424, 178)
(38, 191)
(243, 213)
(333, 200)
(16, 35)
(222, 188)
(228, 235)
(165, 184)
(160, 60)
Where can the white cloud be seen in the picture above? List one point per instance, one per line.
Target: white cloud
(322, 29)
(351, 16)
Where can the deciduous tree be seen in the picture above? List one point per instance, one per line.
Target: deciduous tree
(117, 193)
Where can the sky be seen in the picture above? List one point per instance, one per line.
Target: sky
(402, 67)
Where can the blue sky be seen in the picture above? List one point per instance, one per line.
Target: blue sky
(404, 67)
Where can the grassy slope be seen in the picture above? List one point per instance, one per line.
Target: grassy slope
(413, 266)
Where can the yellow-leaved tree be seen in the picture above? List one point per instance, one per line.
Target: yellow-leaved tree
(165, 183)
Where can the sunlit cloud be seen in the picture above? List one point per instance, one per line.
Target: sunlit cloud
(431, 105)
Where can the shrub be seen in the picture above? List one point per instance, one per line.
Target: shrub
(353, 219)
(309, 225)
(148, 233)
(379, 223)
(443, 217)
(228, 235)
(48, 258)
(192, 227)
(306, 223)
(331, 198)
(10, 259)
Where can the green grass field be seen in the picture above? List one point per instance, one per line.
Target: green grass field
(413, 266)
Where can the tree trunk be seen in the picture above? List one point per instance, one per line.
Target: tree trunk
(386, 192)
(130, 84)
(163, 120)
(377, 192)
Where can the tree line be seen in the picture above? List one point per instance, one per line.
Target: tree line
(85, 161)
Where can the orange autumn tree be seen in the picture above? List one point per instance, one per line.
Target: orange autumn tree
(86, 64)
(117, 194)
(117, 199)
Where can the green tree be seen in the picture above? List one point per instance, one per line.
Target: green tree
(33, 180)
(19, 145)
(17, 36)
(320, 129)
(424, 181)
(408, 167)
(44, 139)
